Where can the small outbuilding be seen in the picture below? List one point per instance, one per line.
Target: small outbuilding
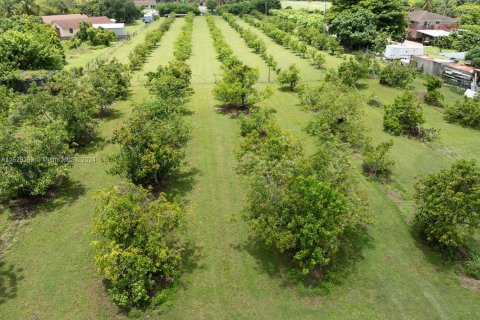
(403, 51)
(117, 28)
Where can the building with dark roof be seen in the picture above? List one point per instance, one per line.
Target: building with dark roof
(424, 25)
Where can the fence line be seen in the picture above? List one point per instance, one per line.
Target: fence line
(90, 64)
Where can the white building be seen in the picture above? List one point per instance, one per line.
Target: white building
(403, 51)
(117, 28)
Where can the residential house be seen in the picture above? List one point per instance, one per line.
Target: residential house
(67, 25)
(425, 25)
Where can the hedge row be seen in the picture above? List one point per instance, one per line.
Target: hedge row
(183, 44)
(284, 38)
(253, 42)
(139, 54)
(138, 243)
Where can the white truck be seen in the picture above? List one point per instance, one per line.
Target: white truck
(403, 51)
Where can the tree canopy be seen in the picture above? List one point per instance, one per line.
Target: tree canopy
(137, 242)
(27, 43)
(448, 204)
(357, 22)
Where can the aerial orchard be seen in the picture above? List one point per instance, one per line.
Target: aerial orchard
(137, 233)
(44, 126)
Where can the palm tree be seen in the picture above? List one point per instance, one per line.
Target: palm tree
(29, 7)
(446, 7)
(428, 5)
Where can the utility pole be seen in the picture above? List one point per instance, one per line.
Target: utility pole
(324, 16)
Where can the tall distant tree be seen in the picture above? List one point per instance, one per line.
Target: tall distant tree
(385, 15)
(8, 8)
(120, 10)
(354, 29)
(29, 7)
(391, 15)
(428, 5)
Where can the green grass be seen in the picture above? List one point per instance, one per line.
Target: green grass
(232, 276)
(134, 26)
(309, 5)
(435, 52)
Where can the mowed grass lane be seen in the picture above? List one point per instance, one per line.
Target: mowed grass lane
(51, 258)
(237, 279)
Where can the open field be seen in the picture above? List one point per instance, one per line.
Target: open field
(309, 5)
(48, 271)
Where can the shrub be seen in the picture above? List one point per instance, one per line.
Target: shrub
(338, 113)
(152, 143)
(27, 43)
(289, 78)
(109, 81)
(351, 71)
(472, 267)
(299, 209)
(171, 82)
(137, 243)
(6, 98)
(465, 111)
(396, 75)
(374, 101)
(236, 88)
(404, 116)
(433, 96)
(376, 162)
(319, 60)
(447, 204)
(95, 36)
(257, 120)
(34, 157)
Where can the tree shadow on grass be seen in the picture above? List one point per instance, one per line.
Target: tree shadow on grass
(345, 262)
(182, 183)
(232, 111)
(63, 195)
(192, 257)
(362, 86)
(354, 241)
(9, 278)
(97, 144)
(268, 262)
(443, 261)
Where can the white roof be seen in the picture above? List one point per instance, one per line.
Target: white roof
(470, 93)
(435, 33)
(109, 25)
(402, 46)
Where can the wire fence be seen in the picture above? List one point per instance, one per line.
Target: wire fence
(93, 62)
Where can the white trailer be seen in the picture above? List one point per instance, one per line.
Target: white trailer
(401, 51)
